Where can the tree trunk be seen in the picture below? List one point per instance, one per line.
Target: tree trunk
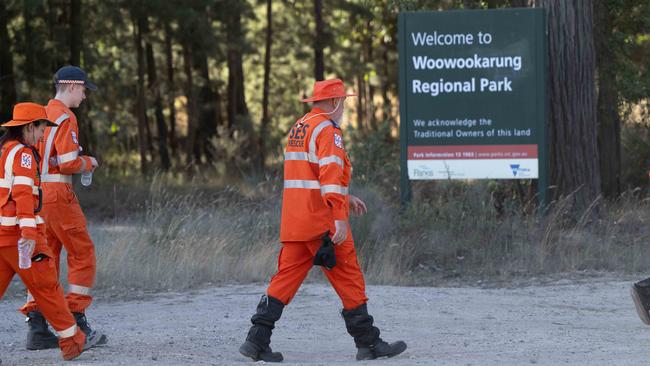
(57, 58)
(572, 111)
(171, 97)
(7, 80)
(158, 105)
(191, 105)
(236, 96)
(28, 15)
(265, 91)
(141, 108)
(319, 60)
(208, 106)
(370, 92)
(361, 88)
(609, 124)
(75, 32)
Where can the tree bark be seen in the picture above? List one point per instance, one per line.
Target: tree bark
(171, 97)
(75, 32)
(191, 105)
(28, 15)
(265, 91)
(58, 58)
(319, 59)
(609, 123)
(208, 107)
(7, 79)
(236, 97)
(141, 108)
(572, 110)
(370, 92)
(154, 89)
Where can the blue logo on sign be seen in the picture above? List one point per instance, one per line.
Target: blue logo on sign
(515, 168)
(518, 170)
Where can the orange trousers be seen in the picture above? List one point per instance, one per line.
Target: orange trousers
(295, 261)
(42, 282)
(66, 227)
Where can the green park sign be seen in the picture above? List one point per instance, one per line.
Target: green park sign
(472, 95)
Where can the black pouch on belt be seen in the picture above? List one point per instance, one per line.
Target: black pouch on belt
(325, 255)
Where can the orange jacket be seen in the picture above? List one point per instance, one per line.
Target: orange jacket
(60, 148)
(317, 174)
(19, 194)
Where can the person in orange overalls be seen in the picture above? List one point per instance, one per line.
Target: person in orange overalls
(315, 200)
(21, 225)
(66, 223)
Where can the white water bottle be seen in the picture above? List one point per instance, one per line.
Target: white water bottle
(25, 248)
(86, 178)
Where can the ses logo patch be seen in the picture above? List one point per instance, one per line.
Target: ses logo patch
(338, 140)
(26, 161)
(517, 170)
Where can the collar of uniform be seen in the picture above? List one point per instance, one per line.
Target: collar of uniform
(59, 104)
(316, 110)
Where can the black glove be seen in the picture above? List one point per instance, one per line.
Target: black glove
(325, 255)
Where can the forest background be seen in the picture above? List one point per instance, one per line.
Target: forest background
(196, 98)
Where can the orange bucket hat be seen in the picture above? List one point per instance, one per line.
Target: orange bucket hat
(28, 112)
(328, 89)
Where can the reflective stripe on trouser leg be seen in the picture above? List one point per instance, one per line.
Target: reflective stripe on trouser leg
(68, 332)
(81, 290)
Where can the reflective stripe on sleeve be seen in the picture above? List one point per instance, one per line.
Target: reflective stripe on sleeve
(27, 222)
(330, 159)
(312, 141)
(67, 333)
(305, 184)
(333, 188)
(13, 221)
(65, 158)
(19, 179)
(81, 290)
(8, 220)
(56, 178)
(295, 155)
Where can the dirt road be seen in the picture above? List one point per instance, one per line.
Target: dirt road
(563, 323)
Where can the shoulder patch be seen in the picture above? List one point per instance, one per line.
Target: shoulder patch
(26, 161)
(338, 140)
(74, 137)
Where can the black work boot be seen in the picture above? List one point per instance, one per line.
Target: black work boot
(93, 337)
(39, 336)
(366, 336)
(257, 344)
(640, 292)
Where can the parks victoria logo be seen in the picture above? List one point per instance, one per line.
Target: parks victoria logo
(423, 171)
(517, 170)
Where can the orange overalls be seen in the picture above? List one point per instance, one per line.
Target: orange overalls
(66, 223)
(19, 197)
(317, 174)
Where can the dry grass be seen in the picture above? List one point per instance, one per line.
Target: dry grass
(184, 240)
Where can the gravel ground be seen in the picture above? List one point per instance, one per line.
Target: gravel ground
(561, 323)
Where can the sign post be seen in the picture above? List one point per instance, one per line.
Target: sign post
(473, 96)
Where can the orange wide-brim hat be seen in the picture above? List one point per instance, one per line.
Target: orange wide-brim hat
(328, 89)
(28, 112)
